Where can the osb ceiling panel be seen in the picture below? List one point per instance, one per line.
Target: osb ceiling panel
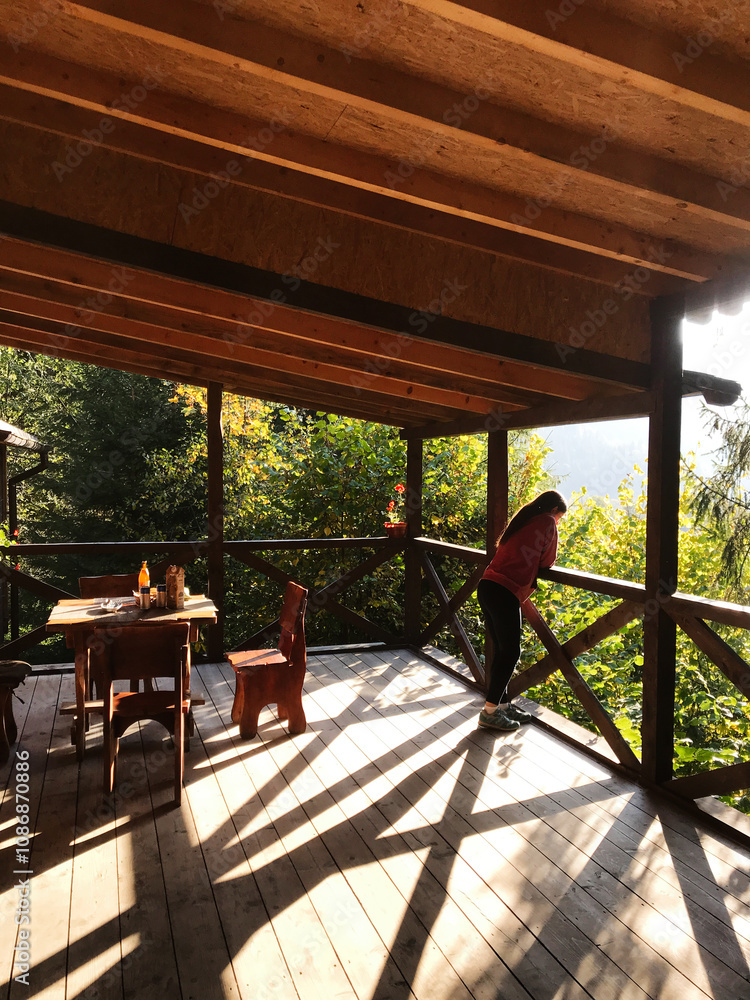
(604, 142)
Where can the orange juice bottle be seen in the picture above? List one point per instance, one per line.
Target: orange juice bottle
(143, 577)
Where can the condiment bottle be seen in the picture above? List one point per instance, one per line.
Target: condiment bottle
(144, 579)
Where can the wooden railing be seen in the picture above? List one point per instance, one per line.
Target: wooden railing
(320, 598)
(691, 614)
(246, 551)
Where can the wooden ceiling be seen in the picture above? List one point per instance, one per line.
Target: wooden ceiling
(444, 216)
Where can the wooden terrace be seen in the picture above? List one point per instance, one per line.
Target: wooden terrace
(453, 218)
(393, 850)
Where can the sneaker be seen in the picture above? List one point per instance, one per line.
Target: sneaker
(497, 720)
(513, 712)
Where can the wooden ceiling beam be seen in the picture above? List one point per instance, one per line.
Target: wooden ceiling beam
(265, 286)
(190, 302)
(666, 63)
(183, 364)
(20, 339)
(273, 54)
(720, 392)
(236, 134)
(245, 342)
(228, 347)
(23, 338)
(140, 140)
(638, 404)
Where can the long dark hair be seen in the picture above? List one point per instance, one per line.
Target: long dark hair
(545, 503)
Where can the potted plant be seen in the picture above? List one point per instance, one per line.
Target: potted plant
(395, 525)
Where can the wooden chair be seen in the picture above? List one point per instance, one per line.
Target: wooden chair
(119, 585)
(142, 652)
(274, 676)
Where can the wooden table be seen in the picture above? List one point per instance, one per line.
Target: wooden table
(78, 618)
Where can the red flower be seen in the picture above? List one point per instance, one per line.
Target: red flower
(393, 508)
(15, 533)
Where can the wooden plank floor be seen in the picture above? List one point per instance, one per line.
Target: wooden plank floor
(392, 851)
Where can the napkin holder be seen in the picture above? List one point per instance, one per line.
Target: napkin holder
(175, 588)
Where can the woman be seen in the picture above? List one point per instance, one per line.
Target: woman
(528, 544)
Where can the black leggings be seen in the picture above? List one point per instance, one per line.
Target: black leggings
(502, 615)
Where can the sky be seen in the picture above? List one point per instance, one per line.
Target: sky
(600, 455)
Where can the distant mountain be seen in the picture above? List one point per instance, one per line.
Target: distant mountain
(600, 455)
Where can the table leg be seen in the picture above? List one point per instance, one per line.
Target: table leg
(81, 662)
(189, 723)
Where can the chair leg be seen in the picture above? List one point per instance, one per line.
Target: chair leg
(239, 697)
(11, 729)
(297, 722)
(179, 755)
(109, 748)
(88, 694)
(251, 708)
(6, 696)
(293, 711)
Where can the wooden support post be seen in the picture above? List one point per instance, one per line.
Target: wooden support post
(215, 536)
(4, 589)
(497, 486)
(662, 533)
(413, 581)
(497, 505)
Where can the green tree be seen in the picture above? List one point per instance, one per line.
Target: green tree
(118, 445)
(117, 468)
(721, 501)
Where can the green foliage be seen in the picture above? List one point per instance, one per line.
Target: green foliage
(130, 462)
(721, 502)
(117, 465)
(117, 469)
